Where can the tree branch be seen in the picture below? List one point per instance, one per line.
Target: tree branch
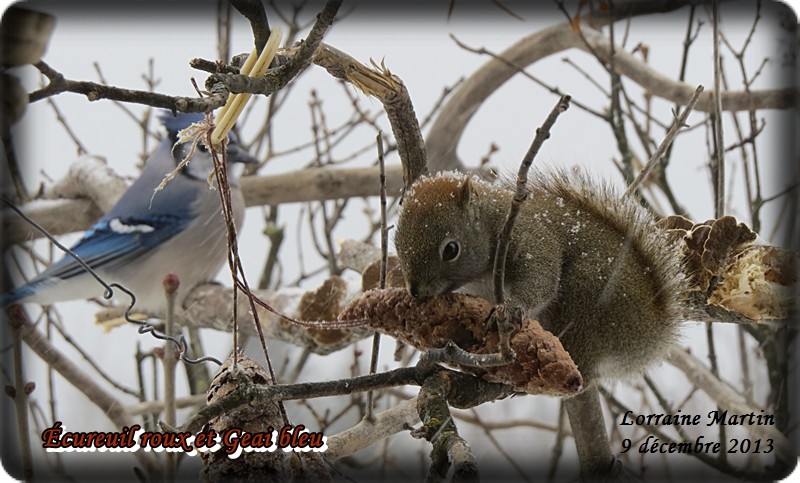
(254, 12)
(96, 394)
(729, 400)
(94, 92)
(400, 417)
(313, 184)
(390, 90)
(449, 126)
(277, 78)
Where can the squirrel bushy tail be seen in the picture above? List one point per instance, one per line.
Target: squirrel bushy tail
(625, 271)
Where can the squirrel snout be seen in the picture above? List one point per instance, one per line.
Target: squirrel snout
(413, 289)
(421, 291)
(418, 290)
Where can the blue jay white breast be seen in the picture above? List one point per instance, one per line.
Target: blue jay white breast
(146, 236)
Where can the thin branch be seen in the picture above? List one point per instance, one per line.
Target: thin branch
(472, 391)
(20, 394)
(521, 70)
(449, 126)
(364, 434)
(719, 146)
(169, 360)
(680, 122)
(521, 193)
(254, 12)
(278, 77)
(67, 215)
(380, 83)
(591, 439)
(105, 401)
(376, 338)
(93, 92)
(88, 358)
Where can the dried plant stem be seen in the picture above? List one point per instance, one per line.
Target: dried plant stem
(235, 265)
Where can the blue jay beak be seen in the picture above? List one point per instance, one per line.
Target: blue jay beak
(238, 155)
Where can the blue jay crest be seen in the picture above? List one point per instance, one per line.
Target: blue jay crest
(173, 124)
(146, 236)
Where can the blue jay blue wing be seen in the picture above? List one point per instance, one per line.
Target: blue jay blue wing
(110, 244)
(114, 242)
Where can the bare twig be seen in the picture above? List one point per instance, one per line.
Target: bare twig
(680, 122)
(719, 146)
(521, 70)
(20, 396)
(254, 12)
(449, 126)
(376, 338)
(279, 77)
(275, 233)
(80, 148)
(472, 391)
(170, 361)
(558, 445)
(94, 91)
(105, 401)
(223, 31)
(521, 193)
(67, 338)
(380, 83)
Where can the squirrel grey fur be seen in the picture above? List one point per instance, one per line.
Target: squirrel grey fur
(588, 264)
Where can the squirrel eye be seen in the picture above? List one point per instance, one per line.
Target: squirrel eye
(450, 251)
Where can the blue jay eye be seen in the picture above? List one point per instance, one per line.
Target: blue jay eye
(451, 251)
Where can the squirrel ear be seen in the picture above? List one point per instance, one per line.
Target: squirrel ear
(465, 191)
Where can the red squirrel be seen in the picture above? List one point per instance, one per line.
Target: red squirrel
(590, 265)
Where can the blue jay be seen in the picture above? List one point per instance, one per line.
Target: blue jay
(145, 236)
